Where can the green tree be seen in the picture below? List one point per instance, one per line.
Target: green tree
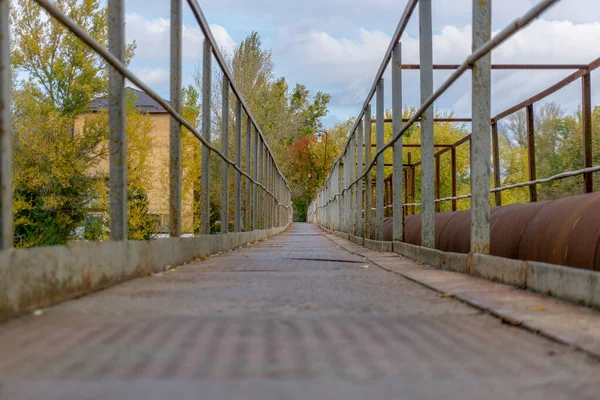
(140, 176)
(51, 187)
(68, 73)
(284, 115)
(55, 183)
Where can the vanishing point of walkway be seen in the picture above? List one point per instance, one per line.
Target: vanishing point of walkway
(292, 317)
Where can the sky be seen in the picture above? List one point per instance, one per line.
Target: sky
(337, 46)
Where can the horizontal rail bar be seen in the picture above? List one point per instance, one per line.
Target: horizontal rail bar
(547, 92)
(504, 66)
(419, 145)
(562, 175)
(389, 120)
(123, 70)
(454, 145)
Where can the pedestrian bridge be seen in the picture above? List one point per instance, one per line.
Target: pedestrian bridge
(380, 295)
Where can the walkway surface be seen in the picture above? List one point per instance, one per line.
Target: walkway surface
(292, 317)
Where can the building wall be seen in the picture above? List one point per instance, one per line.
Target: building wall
(158, 194)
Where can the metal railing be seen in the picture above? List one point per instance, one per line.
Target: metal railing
(339, 204)
(268, 206)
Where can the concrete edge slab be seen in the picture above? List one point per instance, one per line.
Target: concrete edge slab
(39, 277)
(573, 284)
(570, 335)
(378, 245)
(577, 285)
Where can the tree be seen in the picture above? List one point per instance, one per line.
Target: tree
(140, 176)
(55, 188)
(68, 73)
(284, 116)
(302, 175)
(191, 158)
(51, 187)
(553, 131)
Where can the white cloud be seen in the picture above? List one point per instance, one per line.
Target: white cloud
(342, 62)
(152, 37)
(152, 76)
(348, 66)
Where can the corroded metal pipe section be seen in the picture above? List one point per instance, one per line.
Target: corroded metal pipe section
(564, 231)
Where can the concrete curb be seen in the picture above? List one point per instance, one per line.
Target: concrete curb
(39, 277)
(563, 322)
(576, 285)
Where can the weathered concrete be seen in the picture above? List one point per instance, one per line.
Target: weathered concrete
(560, 320)
(377, 245)
(577, 285)
(292, 317)
(42, 276)
(504, 270)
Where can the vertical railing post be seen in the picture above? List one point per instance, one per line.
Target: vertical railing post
(531, 151)
(413, 189)
(206, 109)
(250, 187)
(274, 188)
(334, 189)
(269, 203)
(496, 161)
(347, 200)
(379, 179)
(438, 205)
(271, 199)
(257, 172)
(340, 202)
(368, 187)
(480, 150)
(225, 150)
(325, 202)
(405, 208)
(453, 172)
(411, 185)
(265, 199)
(351, 178)
(427, 150)
(586, 116)
(278, 194)
(6, 212)
(117, 122)
(330, 190)
(175, 126)
(237, 224)
(359, 185)
(397, 168)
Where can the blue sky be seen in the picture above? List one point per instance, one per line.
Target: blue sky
(337, 45)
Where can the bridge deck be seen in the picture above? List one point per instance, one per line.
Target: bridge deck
(293, 317)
